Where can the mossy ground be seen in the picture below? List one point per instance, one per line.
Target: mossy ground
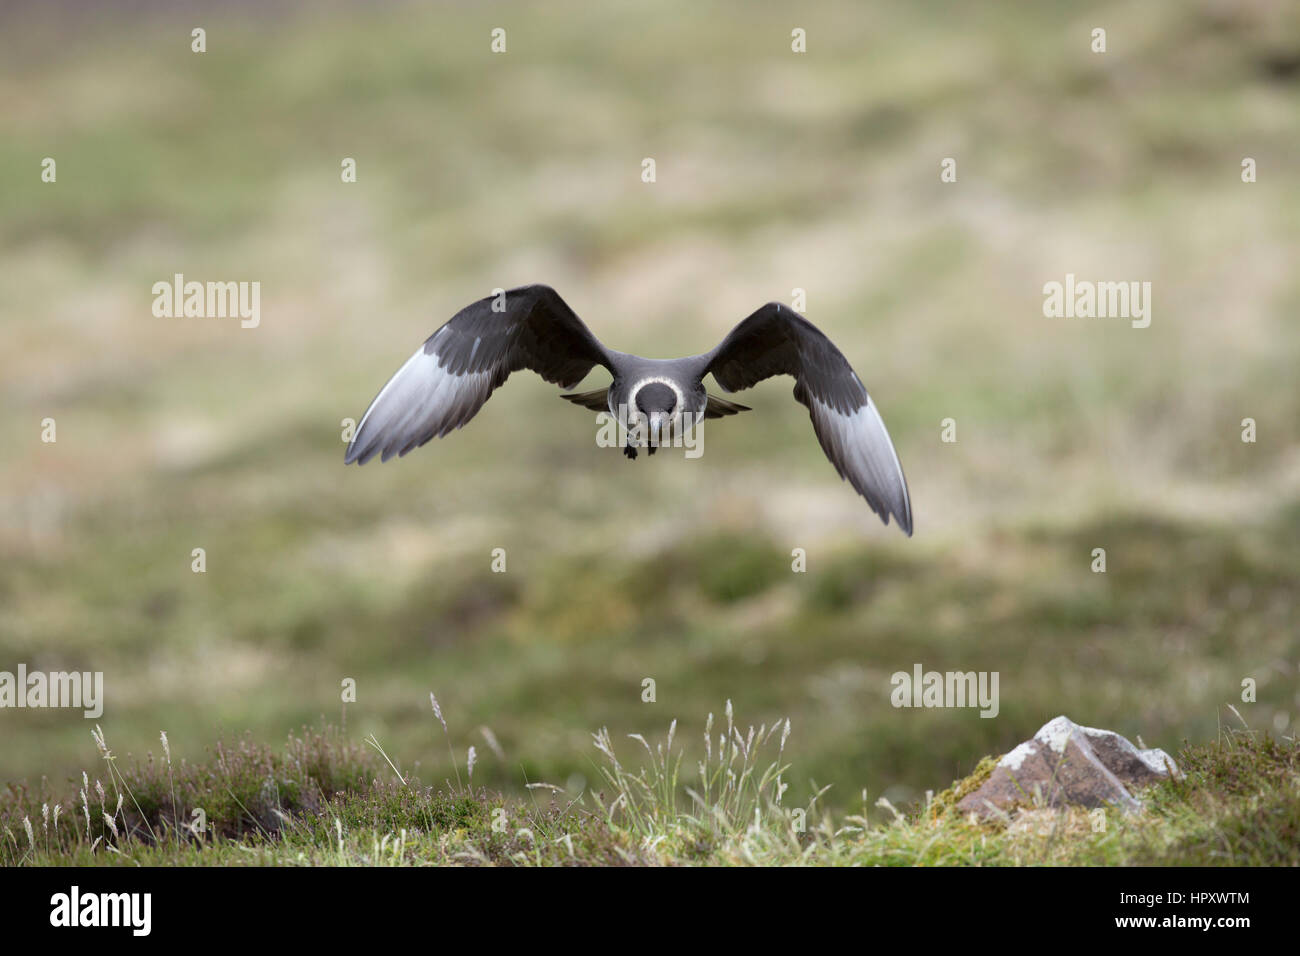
(323, 800)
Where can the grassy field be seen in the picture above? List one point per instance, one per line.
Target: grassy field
(775, 171)
(325, 801)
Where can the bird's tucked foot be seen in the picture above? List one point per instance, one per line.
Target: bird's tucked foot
(630, 452)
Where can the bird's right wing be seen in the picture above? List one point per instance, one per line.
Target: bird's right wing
(778, 341)
(444, 384)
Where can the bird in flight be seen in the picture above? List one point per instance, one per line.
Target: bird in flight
(449, 378)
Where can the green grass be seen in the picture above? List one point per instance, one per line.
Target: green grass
(325, 801)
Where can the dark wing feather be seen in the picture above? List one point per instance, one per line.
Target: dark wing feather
(717, 407)
(597, 399)
(778, 341)
(444, 384)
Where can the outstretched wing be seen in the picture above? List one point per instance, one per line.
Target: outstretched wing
(444, 384)
(778, 341)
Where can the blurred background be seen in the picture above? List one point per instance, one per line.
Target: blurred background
(775, 171)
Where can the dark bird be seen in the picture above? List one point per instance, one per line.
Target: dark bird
(444, 384)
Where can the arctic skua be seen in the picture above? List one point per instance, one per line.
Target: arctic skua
(449, 378)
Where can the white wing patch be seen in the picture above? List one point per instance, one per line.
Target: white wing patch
(420, 401)
(859, 447)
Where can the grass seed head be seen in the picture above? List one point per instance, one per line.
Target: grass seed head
(493, 744)
(437, 711)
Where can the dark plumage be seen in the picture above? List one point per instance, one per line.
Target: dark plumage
(444, 384)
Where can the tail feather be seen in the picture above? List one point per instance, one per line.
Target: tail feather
(720, 407)
(597, 399)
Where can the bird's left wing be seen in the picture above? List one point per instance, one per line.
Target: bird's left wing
(778, 341)
(444, 384)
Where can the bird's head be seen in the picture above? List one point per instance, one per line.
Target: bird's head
(657, 404)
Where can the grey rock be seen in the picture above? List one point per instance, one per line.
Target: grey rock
(1065, 764)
